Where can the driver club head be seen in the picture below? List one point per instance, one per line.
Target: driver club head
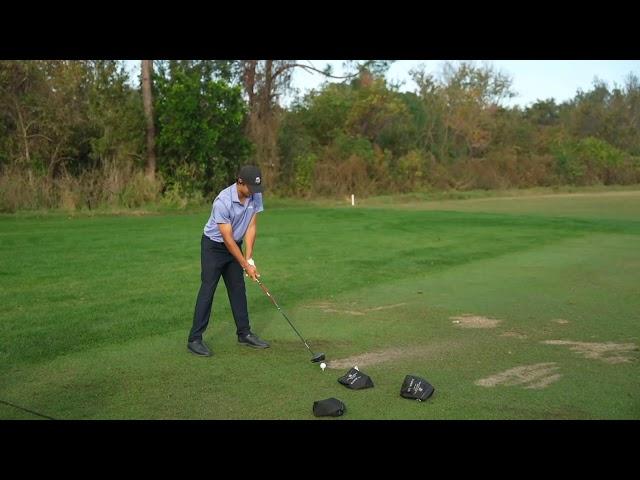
(318, 357)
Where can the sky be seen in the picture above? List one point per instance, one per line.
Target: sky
(531, 79)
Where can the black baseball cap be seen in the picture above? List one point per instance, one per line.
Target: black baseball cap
(252, 177)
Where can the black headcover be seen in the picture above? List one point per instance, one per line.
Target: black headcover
(356, 380)
(416, 388)
(330, 407)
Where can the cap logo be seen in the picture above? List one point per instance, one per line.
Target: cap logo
(257, 180)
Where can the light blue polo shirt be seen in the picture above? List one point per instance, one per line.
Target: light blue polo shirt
(227, 208)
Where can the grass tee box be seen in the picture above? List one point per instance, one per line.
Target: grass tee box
(524, 307)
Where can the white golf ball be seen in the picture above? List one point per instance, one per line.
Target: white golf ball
(323, 365)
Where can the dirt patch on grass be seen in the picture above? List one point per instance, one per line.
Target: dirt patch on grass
(561, 321)
(385, 307)
(514, 335)
(608, 352)
(329, 308)
(468, 320)
(537, 376)
(389, 354)
(349, 312)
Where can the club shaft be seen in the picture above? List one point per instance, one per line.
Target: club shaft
(266, 290)
(27, 410)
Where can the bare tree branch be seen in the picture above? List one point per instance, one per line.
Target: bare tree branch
(308, 67)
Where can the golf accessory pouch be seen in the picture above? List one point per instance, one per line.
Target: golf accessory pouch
(329, 407)
(356, 380)
(416, 388)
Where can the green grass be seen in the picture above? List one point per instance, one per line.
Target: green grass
(96, 309)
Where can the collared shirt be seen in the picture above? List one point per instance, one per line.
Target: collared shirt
(227, 208)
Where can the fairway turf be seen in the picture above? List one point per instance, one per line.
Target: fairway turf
(96, 311)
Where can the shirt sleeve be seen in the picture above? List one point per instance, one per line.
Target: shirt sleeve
(221, 212)
(258, 200)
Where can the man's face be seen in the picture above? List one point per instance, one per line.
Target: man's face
(244, 189)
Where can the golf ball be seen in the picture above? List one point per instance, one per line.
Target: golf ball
(323, 365)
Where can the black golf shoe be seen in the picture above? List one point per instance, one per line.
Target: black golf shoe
(199, 348)
(252, 340)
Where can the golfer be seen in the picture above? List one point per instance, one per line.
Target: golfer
(233, 218)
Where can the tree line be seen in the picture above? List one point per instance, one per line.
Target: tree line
(84, 134)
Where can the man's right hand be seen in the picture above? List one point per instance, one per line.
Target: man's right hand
(252, 272)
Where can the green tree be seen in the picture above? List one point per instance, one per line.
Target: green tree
(200, 119)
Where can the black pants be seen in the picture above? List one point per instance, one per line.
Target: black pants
(216, 260)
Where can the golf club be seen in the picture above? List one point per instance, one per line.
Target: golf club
(316, 357)
(26, 410)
